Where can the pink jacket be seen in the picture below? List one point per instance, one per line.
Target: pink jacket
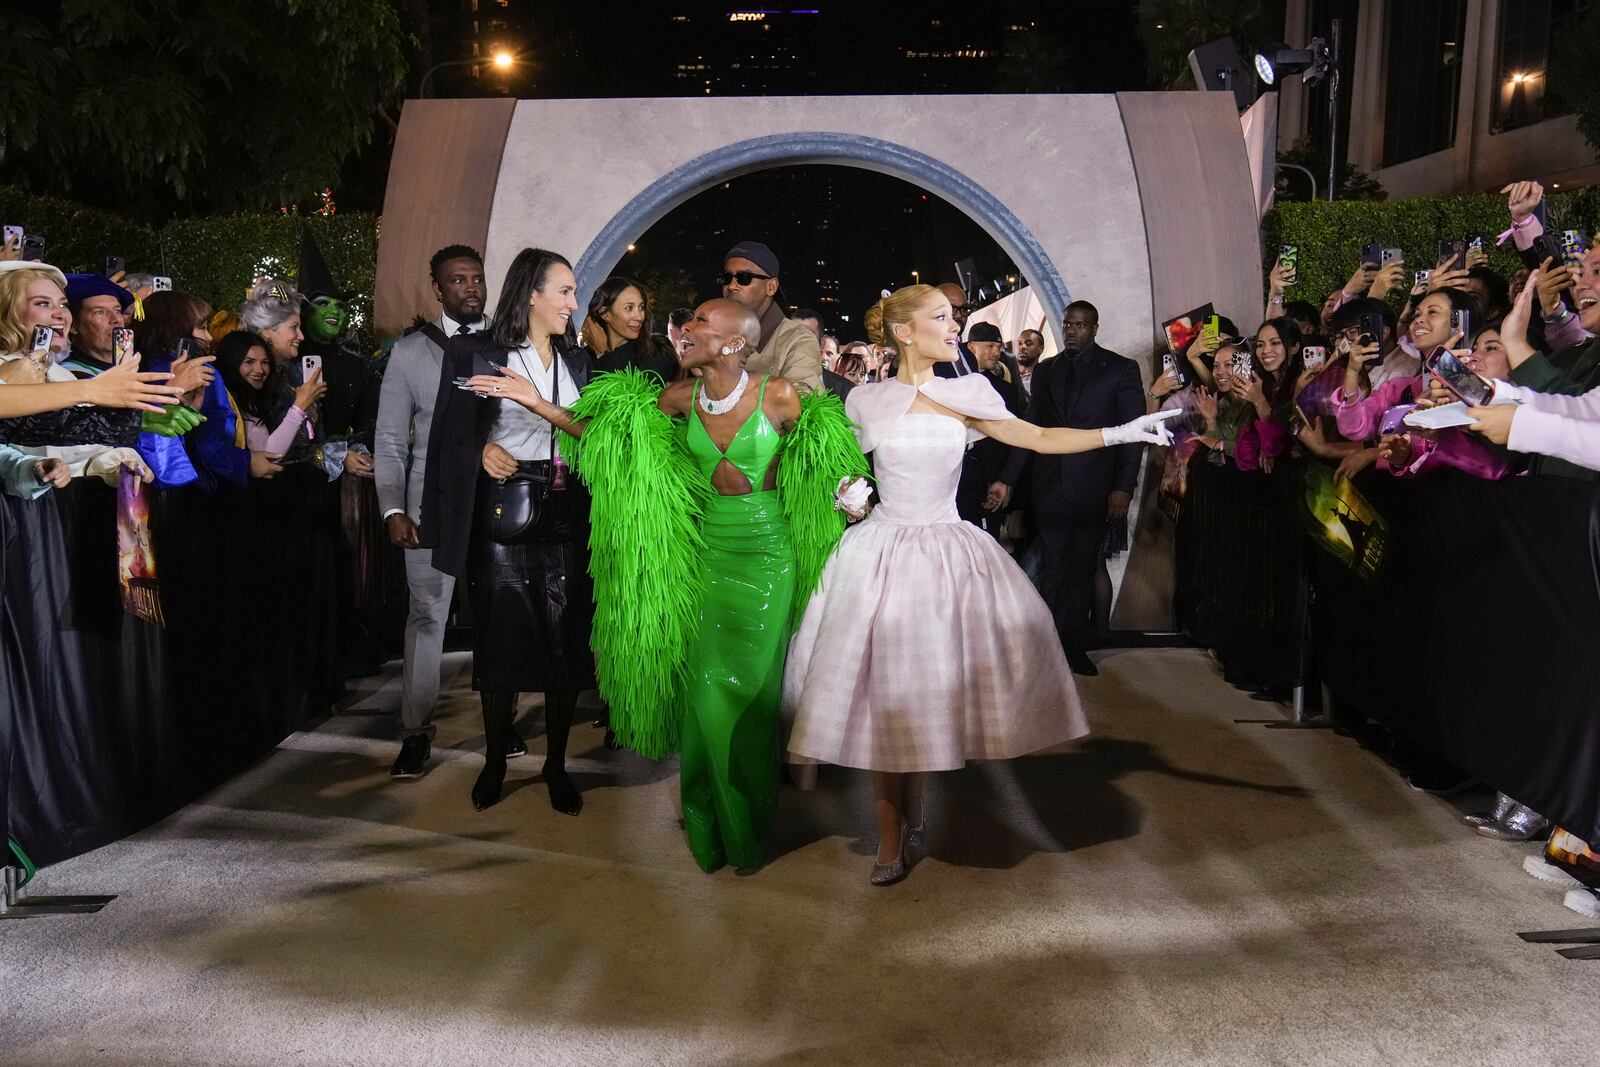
(1258, 438)
(1359, 420)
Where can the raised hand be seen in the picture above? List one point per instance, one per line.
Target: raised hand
(1552, 280)
(1522, 198)
(1391, 276)
(1514, 328)
(1146, 429)
(125, 386)
(1205, 402)
(508, 385)
(193, 372)
(310, 391)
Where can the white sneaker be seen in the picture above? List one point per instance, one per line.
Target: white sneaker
(1546, 871)
(1583, 901)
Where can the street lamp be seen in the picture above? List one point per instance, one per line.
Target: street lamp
(502, 60)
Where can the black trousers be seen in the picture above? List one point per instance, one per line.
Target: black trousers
(1069, 540)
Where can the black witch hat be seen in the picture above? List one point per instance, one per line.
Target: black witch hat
(315, 277)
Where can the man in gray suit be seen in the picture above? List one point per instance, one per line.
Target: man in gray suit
(400, 454)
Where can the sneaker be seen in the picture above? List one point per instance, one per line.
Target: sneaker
(1584, 901)
(413, 759)
(1544, 870)
(517, 746)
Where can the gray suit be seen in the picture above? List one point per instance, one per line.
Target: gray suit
(400, 457)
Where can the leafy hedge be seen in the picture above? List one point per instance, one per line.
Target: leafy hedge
(1330, 235)
(216, 257)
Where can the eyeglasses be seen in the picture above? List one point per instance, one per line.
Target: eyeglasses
(743, 277)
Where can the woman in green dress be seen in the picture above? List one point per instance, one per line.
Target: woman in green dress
(714, 510)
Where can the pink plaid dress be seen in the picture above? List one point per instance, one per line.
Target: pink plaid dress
(925, 646)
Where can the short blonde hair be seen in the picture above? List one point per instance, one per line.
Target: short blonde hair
(896, 309)
(15, 334)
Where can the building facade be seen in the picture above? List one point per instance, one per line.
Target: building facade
(1444, 96)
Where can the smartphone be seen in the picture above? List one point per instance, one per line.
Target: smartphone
(1452, 253)
(114, 266)
(1315, 357)
(1369, 328)
(1387, 256)
(1169, 365)
(1242, 364)
(1544, 247)
(160, 284)
(1211, 328)
(32, 247)
(1394, 420)
(121, 345)
(1461, 323)
(1454, 376)
(1573, 245)
(1424, 276)
(185, 348)
(309, 365)
(42, 336)
(1372, 255)
(1476, 242)
(1289, 256)
(12, 235)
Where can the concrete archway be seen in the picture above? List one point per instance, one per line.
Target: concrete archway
(886, 157)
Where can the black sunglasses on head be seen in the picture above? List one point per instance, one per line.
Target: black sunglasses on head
(743, 277)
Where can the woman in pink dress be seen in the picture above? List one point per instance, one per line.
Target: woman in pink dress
(925, 645)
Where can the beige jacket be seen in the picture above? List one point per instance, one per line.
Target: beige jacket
(792, 352)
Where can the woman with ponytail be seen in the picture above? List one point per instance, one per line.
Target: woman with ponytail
(925, 646)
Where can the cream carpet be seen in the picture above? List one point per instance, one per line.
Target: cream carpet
(1179, 889)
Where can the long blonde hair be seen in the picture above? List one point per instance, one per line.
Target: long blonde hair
(896, 309)
(15, 336)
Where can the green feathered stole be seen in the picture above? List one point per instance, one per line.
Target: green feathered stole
(820, 450)
(644, 551)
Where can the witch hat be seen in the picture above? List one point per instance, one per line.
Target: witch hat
(315, 277)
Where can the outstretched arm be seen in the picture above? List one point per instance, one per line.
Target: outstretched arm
(509, 385)
(1066, 440)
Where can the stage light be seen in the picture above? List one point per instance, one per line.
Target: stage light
(1280, 61)
(504, 60)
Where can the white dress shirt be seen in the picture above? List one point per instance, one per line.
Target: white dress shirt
(452, 328)
(516, 429)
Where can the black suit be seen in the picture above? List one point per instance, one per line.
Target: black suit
(462, 425)
(986, 460)
(1091, 389)
(837, 384)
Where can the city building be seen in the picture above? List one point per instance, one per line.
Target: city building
(1443, 96)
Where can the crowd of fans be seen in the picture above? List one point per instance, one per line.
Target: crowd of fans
(104, 375)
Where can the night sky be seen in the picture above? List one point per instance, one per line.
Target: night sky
(868, 231)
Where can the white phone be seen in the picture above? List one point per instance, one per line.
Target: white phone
(1315, 356)
(309, 365)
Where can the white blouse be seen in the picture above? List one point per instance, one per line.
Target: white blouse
(516, 429)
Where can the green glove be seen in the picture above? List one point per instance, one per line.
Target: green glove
(174, 421)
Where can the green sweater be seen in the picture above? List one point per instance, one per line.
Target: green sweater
(1569, 372)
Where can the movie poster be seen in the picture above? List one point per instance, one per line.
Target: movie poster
(1185, 328)
(136, 561)
(1342, 522)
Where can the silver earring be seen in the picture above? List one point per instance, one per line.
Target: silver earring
(726, 350)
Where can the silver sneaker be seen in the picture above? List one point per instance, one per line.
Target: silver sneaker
(1522, 824)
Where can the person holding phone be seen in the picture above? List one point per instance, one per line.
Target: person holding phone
(500, 506)
(271, 419)
(34, 322)
(198, 445)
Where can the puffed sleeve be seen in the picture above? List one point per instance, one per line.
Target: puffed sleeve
(971, 395)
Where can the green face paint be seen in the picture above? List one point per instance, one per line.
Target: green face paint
(327, 319)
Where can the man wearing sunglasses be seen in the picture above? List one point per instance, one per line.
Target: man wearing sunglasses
(788, 349)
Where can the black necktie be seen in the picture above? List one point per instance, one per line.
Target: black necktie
(463, 329)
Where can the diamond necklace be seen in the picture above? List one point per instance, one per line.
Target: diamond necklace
(727, 403)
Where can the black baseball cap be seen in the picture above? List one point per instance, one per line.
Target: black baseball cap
(984, 331)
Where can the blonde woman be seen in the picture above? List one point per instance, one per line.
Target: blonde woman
(40, 412)
(926, 646)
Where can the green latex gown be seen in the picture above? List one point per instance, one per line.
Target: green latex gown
(729, 737)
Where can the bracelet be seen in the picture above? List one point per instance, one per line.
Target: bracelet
(1566, 313)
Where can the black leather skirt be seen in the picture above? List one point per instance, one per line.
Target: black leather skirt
(533, 602)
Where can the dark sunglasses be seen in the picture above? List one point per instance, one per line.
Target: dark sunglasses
(743, 277)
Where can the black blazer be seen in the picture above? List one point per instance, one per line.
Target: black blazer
(1092, 390)
(462, 424)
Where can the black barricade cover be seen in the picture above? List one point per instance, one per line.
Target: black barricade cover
(111, 722)
(1479, 638)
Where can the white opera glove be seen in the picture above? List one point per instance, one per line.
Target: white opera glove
(852, 496)
(107, 465)
(1146, 429)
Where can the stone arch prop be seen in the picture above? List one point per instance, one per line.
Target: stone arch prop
(1141, 203)
(886, 157)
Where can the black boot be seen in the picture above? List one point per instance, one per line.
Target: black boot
(558, 711)
(498, 711)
